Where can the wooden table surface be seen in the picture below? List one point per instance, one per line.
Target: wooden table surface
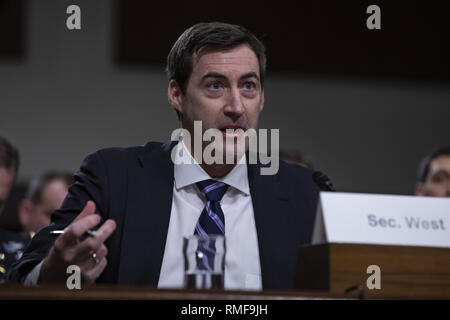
(116, 292)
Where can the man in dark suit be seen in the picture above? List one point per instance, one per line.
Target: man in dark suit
(145, 202)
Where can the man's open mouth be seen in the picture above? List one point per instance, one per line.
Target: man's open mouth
(231, 131)
(231, 128)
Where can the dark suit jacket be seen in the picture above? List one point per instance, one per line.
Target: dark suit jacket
(134, 187)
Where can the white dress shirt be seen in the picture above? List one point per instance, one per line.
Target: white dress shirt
(242, 265)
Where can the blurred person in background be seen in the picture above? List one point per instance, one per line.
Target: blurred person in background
(434, 174)
(45, 194)
(296, 157)
(12, 244)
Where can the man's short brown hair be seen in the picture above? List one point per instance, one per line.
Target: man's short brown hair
(210, 36)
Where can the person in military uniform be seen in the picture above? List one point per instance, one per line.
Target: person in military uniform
(12, 246)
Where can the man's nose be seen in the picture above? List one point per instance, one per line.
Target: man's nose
(234, 107)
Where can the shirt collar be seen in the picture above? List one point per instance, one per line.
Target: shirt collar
(189, 173)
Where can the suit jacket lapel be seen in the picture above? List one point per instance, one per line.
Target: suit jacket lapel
(149, 202)
(271, 208)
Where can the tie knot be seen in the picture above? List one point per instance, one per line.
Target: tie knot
(212, 189)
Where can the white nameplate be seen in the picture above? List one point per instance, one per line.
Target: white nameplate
(382, 219)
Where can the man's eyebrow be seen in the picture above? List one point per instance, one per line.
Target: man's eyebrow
(221, 76)
(250, 75)
(213, 75)
(441, 171)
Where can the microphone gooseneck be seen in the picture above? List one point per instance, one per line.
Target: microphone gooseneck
(322, 180)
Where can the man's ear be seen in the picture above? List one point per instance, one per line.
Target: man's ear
(23, 213)
(175, 96)
(418, 189)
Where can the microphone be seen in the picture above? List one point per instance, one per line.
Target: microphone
(323, 182)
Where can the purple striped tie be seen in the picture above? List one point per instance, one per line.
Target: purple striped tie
(211, 221)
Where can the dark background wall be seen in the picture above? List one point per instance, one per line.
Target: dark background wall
(364, 105)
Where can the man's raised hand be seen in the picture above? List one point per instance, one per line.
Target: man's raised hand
(70, 249)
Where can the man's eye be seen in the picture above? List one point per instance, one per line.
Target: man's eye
(439, 178)
(249, 86)
(214, 86)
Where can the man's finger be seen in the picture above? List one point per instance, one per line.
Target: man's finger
(105, 230)
(77, 229)
(93, 243)
(91, 258)
(92, 274)
(88, 209)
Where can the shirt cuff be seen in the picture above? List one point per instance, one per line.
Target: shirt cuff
(32, 278)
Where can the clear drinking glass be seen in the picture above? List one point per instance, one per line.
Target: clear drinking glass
(204, 262)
